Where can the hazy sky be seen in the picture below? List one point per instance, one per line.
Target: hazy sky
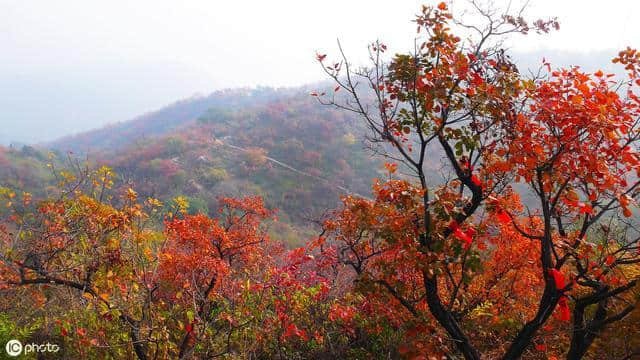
(68, 66)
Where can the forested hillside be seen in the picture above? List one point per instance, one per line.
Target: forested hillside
(165, 120)
(278, 144)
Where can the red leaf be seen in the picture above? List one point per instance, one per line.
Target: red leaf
(81, 331)
(503, 217)
(292, 329)
(541, 347)
(462, 236)
(459, 234)
(563, 307)
(470, 231)
(476, 181)
(558, 278)
(466, 165)
(610, 260)
(453, 225)
(585, 208)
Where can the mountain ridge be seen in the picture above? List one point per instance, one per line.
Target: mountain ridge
(157, 122)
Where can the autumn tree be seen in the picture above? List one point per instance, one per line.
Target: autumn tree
(80, 240)
(567, 136)
(114, 284)
(204, 264)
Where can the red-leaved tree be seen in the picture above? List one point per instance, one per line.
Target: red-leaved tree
(454, 239)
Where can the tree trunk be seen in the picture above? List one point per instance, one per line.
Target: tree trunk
(446, 319)
(524, 337)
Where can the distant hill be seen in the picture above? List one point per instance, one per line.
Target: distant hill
(280, 144)
(162, 121)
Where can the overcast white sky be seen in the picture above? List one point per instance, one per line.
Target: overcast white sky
(80, 64)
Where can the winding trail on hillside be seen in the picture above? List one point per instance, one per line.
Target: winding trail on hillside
(297, 171)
